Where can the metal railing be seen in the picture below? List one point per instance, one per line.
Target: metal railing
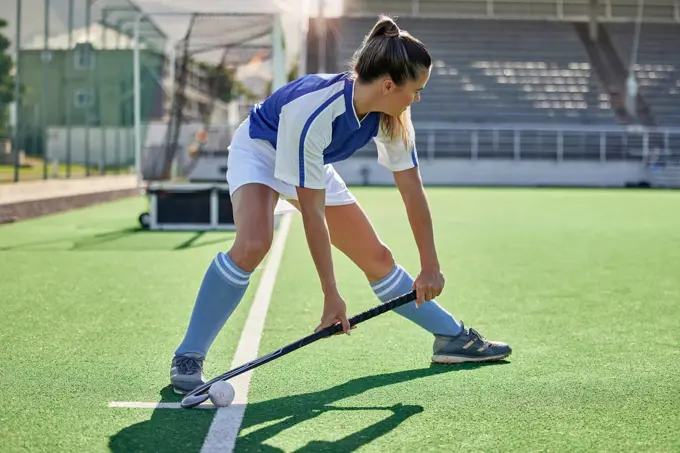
(545, 142)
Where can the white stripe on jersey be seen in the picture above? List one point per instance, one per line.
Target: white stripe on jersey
(304, 132)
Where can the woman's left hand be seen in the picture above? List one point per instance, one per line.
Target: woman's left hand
(428, 285)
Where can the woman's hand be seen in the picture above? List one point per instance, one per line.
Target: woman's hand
(334, 312)
(428, 285)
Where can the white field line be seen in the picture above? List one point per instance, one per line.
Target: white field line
(152, 405)
(227, 421)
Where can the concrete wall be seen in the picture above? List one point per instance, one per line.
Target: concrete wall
(358, 170)
(109, 146)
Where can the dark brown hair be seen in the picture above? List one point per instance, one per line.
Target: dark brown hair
(387, 50)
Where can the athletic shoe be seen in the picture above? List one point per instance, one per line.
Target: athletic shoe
(186, 373)
(468, 346)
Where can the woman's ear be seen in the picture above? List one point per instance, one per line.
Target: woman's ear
(387, 85)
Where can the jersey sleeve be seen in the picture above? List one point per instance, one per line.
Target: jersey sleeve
(304, 133)
(393, 153)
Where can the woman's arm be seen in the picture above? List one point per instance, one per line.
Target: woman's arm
(418, 210)
(430, 281)
(301, 140)
(313, 209)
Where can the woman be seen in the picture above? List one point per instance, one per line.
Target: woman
(285, 149)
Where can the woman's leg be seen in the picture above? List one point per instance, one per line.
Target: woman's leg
(225, 281)
(352, 233)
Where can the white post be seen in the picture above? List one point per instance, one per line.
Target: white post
(475, 145)
(278, 55)
(136, 91)
(560, 146)
(17, 145)
(321, 37)
(592, 20)
(46, 58)
(302, 59)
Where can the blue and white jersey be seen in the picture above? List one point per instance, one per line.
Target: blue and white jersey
(312, 122)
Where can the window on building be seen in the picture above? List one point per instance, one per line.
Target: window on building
(83, 98)
(83, 56)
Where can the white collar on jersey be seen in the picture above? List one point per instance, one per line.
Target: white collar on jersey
(351, 104)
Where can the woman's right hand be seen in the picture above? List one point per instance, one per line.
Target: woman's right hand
(334, 312)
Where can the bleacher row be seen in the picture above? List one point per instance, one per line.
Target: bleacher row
(657, 65)
(537, 9)
(529, 72)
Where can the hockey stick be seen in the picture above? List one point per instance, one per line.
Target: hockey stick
(200, 394)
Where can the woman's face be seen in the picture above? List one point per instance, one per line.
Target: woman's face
(399, 98)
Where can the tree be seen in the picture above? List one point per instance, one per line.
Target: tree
(220, 80)
(291, 75)
(6, 80)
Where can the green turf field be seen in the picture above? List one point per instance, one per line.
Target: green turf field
(584, 284)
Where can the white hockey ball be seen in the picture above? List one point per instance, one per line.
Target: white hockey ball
(221, 393)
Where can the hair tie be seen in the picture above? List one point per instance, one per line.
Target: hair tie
(392, 31)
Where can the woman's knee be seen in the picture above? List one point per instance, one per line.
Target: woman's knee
(254, 218)
(380, 263)
(248, 252)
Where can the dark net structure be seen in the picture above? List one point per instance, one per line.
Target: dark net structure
(200, 73)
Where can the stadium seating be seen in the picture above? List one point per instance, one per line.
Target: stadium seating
(657, 68)
(491, 71)
(491, 77)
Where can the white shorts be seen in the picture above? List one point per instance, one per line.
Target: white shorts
(252, 161)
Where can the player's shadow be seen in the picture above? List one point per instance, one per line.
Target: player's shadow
(171, 430)
(132, 239)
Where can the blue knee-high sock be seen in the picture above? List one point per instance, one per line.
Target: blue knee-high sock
(430, 315)
(221, 291)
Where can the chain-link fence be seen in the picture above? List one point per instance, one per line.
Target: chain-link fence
(92, 102)
(74, 113)
(203, 62)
